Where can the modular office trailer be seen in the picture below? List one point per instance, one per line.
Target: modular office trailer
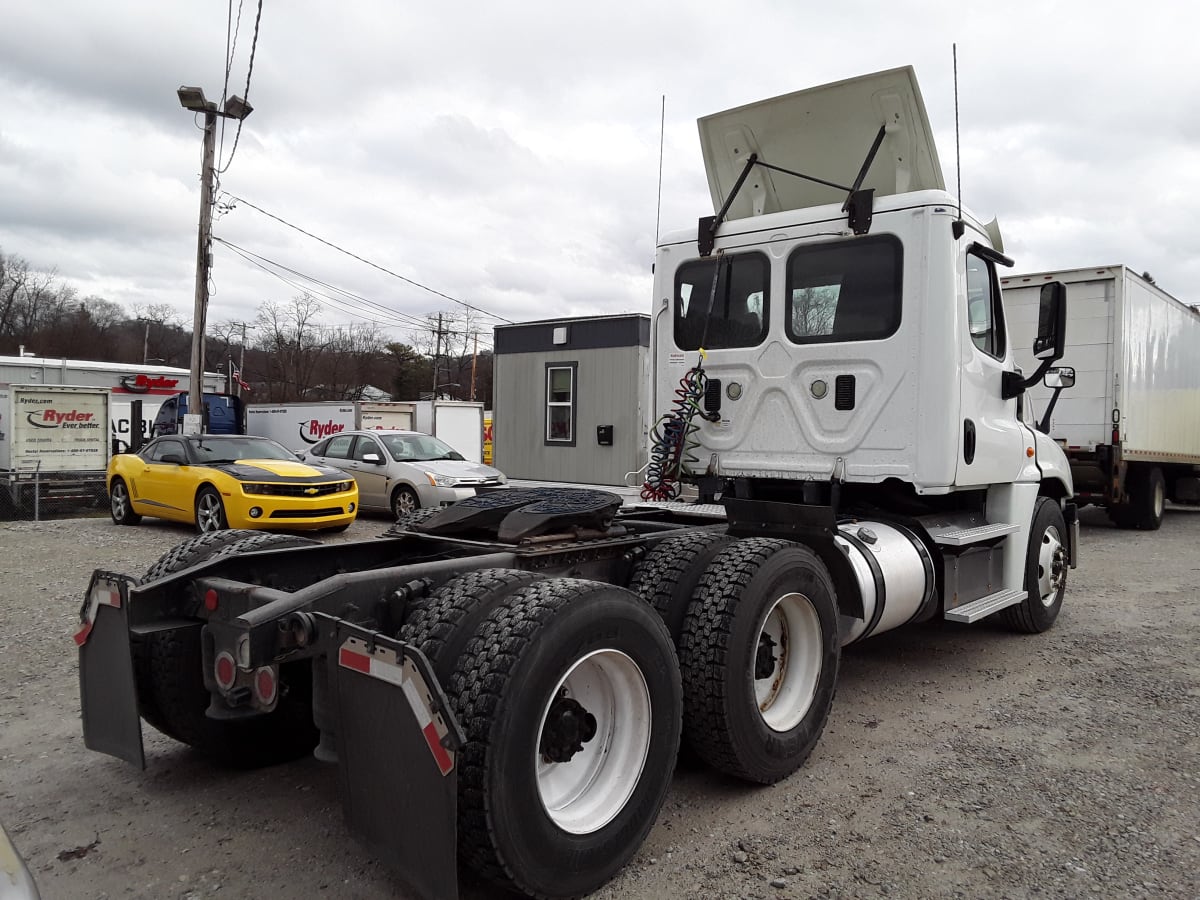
(570, 398)
(1131, 423)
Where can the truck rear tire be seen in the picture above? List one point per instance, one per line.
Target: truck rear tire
(570, 699)
(1147, 500)
(1045, 571)
(667, 577)
(759, 655)
(121, 505)
(168, 670)
(441, 624)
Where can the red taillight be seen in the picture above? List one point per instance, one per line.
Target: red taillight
(1116, 436)
(225, 671)
(211, 600)
(265, 685)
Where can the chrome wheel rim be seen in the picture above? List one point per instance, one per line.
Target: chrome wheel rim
(1052, 566)
(208, 513)
(119, 500)
(405, 503)
(585, 792)
(787, 664)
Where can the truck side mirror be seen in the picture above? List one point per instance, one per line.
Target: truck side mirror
(1052, 322)
(1060, 377)
(1050, 343)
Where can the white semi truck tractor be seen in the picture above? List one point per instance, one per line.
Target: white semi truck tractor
(503, 684)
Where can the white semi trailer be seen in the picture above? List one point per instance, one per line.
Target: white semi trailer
(504, 683)
(1131, 423)
(300, 425)
(54, 444)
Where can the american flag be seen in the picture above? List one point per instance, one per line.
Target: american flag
(241, 383)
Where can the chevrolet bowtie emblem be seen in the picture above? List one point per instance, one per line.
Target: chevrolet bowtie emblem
(310, 491)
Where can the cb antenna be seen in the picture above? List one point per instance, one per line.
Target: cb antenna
(958, 227)
(662, 136)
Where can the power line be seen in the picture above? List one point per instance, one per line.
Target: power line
(399, 319)
(373, 265)
(232, 28)
(246, 94)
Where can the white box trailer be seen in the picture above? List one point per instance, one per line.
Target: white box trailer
(127, 382)
(457, 422)
(300, 425)
(1131, 422)
(54, 442)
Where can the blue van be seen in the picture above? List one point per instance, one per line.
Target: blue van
(222, 415)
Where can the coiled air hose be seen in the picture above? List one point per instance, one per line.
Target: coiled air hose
(671, 441)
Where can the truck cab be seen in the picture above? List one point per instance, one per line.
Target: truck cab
(851, 342)
(222, 415)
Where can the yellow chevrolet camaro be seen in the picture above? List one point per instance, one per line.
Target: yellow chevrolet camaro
(228, 481)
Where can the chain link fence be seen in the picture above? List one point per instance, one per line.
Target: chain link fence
(31, 496)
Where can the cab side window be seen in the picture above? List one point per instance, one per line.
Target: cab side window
(985, 315)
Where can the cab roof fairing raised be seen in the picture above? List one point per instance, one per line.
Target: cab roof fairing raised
(825, 132)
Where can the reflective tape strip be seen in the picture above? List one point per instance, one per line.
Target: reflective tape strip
(106, 596)
(394, 674)
(425, 719)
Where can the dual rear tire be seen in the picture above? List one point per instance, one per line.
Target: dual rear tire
(569, 694)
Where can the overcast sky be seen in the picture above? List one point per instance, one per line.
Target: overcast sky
(507, 154)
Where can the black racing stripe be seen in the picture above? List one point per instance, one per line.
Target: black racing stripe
(246, 472)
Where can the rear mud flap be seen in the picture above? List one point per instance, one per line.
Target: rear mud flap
(107, 691)
(397, 744)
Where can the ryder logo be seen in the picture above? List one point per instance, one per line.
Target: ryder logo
(142, 384)
(314, 430)
(52, 418)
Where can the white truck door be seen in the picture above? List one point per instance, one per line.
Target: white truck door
(991, 442)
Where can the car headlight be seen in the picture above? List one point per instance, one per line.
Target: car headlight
(441, 480)
(253, 488)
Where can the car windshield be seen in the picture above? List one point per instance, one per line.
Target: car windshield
(213, 451)
(417, 447)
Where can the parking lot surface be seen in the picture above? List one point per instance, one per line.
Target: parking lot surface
(959, 761)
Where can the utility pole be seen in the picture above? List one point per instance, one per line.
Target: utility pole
(242, 363)
(192, 98)
(146, 345)
(474, 356)
(437, 355)
(203, 262)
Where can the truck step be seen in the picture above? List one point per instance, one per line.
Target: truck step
(985, 606)
(962, 537)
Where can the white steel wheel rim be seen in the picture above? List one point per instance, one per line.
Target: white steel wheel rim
(786, 694)
(587, 792)
(1160, 499)
(119, 501)
(1051, 566)
(208, 513)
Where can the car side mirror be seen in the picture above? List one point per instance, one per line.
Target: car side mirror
(373, 458)
(1052, 322)
(1060, 377)
(176, 458)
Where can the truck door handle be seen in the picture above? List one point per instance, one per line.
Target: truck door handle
(968, 442)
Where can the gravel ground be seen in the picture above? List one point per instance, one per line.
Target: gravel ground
(959, 761)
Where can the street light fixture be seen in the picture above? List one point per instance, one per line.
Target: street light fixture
(193, 98)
